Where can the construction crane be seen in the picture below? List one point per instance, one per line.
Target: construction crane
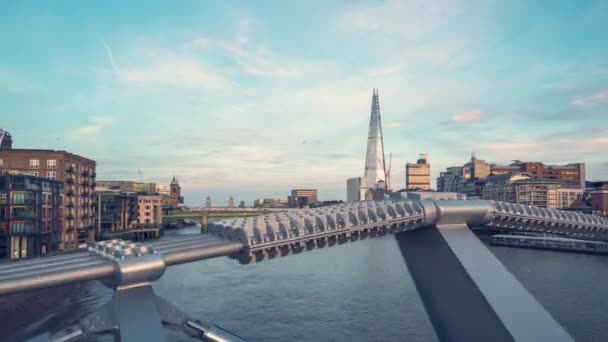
(141, 180)
(388, 172)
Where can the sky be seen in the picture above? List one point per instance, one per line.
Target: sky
(253, 98)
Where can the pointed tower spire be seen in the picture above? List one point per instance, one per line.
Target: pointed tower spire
(174, 180)
(375, 169)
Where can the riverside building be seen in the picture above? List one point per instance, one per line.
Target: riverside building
(78, 176)
(418, 175)
(30, 215)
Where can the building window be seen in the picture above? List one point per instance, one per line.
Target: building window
(3, 198)
(51, 164)
(51, 174)
(34, 164)
(34, 173)
(1, 162)
(18, 197)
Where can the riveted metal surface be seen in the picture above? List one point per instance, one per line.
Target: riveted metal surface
(135, 263)
(280, 234)
(511, 216)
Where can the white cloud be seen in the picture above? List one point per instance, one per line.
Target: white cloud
(467, 117)
(392, 125)
(11, 80)
(167, 70)
(408, 19)
(590, 100)
(258, 61)
(201, 42)
(98, 123)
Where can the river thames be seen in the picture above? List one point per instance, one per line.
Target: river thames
(355, 292)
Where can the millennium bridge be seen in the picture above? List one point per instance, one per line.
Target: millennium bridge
(467, 293)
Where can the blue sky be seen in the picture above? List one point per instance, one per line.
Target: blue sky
(252, 99)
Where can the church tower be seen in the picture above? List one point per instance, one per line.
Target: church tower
(176, 191)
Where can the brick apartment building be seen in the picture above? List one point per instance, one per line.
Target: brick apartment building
(78, 176)
(30, 215)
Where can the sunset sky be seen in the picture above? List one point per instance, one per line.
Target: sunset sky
(252, 99)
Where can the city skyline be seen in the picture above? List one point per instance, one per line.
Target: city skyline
(242, 101)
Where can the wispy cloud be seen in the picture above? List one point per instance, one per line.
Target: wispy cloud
(590, 100)
(467, 117)
(97, 125)
(15, 82)
(161, 69)
(110, 55)
(201, 42)
(257, 61)
(568, 149)
(410, 19)
(392, 125)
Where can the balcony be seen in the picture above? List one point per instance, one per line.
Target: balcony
(85, 183)
(69, 181)
(93, 184)
(69, 193)
(93, 175)
(24, 230)
(23, 216)
(70, 205)
(69, 216)
(84, 194)
(84, 173)
(25, 202)
(70, 169)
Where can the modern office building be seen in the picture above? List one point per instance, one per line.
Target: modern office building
(127, 186)
(30, 215)
(149, 210)
(522, 188)
(567, 195)
(296, 200)
(78, 176)
(418, 175)
(477, 168)
(572, 175)
(230, 202)
(116, 211)
(356, 189)
(453, 179)
(470, 177)
(270, 203)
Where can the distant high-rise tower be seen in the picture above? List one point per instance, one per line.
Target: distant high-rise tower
(230, 202)
(375, 170)
(6, 141)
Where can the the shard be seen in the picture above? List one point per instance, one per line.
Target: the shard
(375, 169)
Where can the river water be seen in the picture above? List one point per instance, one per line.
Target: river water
(355, 292)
